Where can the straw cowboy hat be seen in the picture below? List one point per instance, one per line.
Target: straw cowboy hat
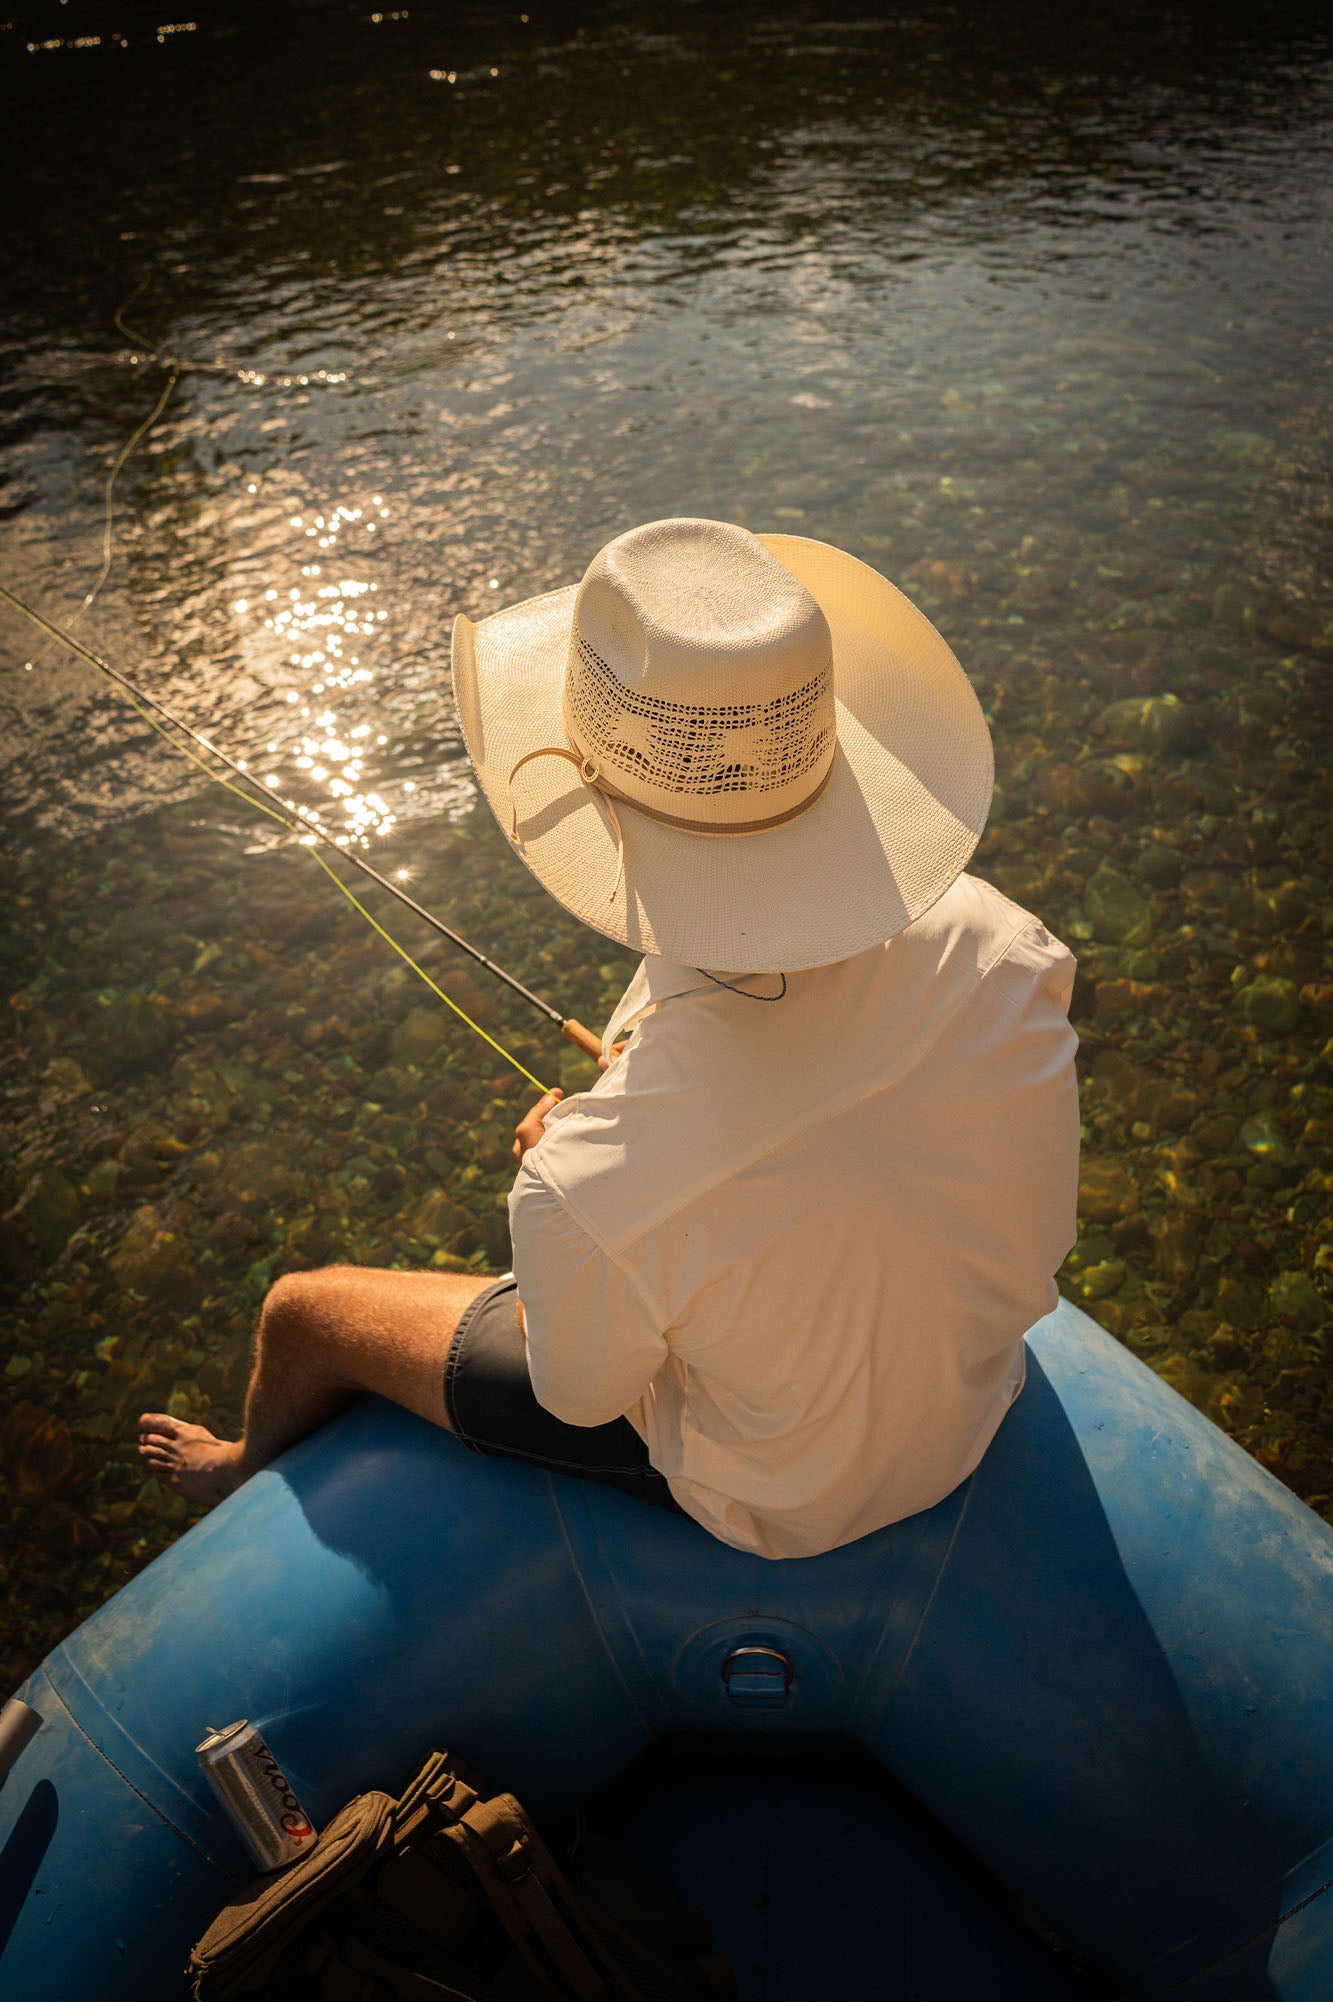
(745, 752)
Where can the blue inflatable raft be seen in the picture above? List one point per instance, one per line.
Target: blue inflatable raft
(1093, 1688)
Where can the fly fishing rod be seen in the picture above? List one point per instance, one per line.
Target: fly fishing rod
(271, 803)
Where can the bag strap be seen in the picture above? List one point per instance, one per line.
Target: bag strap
(517, 1876)
(412, 1884)
(445, 1823)
(536, 1904)
(510, 1866)
(400, 1981)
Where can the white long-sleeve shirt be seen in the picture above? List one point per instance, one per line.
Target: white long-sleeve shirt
(798, 1243)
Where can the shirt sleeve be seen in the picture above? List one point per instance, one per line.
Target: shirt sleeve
(1012, 1119)
(594, 1344)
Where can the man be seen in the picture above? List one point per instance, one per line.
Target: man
(775, 1269)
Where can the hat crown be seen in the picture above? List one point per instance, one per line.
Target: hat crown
(700, 677)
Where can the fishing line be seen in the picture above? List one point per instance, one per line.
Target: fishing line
(173, 377)
(306, 824)
(118, 320)
(310, 833)
(421, 973)
(176, 366)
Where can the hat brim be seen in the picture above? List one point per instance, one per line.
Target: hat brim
(897, 822)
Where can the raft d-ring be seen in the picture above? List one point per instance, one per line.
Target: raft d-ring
(757, 1674)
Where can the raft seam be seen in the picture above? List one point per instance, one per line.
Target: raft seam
(125, 1780)
(593, 1613)
(873, 1724)
(1239, 1947)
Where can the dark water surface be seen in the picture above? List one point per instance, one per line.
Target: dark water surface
(1027, 308)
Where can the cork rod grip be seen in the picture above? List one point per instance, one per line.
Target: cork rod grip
(582, 1039)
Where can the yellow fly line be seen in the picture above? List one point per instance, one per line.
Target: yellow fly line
(308, 839)
(292, 827)
(421, 973)
(350, 895)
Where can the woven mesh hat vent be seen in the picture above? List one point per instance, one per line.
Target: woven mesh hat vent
(699, 751)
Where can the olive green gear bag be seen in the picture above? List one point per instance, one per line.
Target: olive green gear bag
(450, 1895)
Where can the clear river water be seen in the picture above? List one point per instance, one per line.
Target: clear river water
(1027, 306)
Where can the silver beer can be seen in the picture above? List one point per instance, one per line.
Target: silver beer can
(255, 1792)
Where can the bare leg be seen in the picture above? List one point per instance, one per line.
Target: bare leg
(323, 1338)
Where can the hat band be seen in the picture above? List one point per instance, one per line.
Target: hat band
(597, 782)
(604, 784)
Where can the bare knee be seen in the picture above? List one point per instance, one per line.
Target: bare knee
(297, 1306)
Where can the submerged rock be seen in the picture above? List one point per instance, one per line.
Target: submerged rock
(1269, 1004)
(1130, 997)
(1247, 449)
(102, 1180)
(1176, 1251)
(1295, 1297)
(50, 1211)
(1116, 908)
(419, 1035)
(153, 1260)
(259, 1171)
(1268, 911)
(441, 1220)
(1159, 866)
(1105, 1191)
(1263, 1136)
(1160, 723)
(1103, 1278)
(1217, 1135)
(129, 1032)
(38, 1451)
(1232, 606)
(1074, 790)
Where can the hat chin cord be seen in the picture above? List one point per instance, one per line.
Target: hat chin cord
(588, 772)
(597, 782)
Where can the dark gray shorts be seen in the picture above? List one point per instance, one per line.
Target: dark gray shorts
(489, 1402)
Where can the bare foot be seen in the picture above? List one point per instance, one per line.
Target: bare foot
(188, 1459)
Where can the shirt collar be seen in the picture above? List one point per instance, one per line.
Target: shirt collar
(657, 981)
